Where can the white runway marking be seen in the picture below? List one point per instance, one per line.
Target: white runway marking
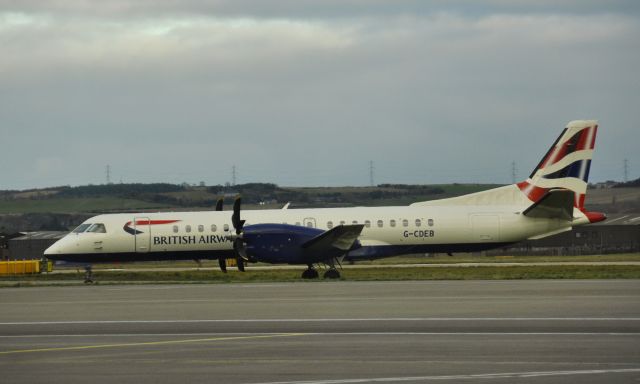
(305, 299)
(31, 335)
(330, 320)
(482, 376)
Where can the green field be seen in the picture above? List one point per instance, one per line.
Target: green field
(488, 272)
(65, 205)
(437, 259)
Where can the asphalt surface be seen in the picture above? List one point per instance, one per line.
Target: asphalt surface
(539, 331)
(68, 270)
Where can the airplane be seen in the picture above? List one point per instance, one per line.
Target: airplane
(549, 202)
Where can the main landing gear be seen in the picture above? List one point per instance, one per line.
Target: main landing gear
(331, 273)
(312, 273)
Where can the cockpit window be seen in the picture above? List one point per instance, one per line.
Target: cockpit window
(81, 228)
(97, 228)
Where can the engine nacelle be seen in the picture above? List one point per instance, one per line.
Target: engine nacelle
(279, 243)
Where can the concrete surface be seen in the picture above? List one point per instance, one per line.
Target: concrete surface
(540, 331)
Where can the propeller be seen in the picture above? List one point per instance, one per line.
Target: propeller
(238, 244)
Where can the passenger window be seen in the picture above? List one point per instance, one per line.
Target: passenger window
(200, 228)
(298, 223)
(380, 223)
(430, 222)
(354, 222)
(405, 223)
(188, 228)
(342, 222)
(175, 229)
(392, 223)
(81, 228)
(418, 222)
(226, 227)
(329, 224)
(213, 228)
(97, 228)
(367, 223)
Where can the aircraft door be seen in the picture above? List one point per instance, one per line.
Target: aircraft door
(142, 229)
(485, 228)
(309, 222)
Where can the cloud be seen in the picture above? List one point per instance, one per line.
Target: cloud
(180, 91)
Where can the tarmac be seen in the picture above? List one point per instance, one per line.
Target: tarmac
(533, 331)
(262, 267)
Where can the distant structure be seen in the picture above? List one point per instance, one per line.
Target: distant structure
(371, 183)
(513, 172)
(233, 175)
(108, 174)
(626, 170)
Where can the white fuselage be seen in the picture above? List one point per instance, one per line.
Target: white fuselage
(463, 226)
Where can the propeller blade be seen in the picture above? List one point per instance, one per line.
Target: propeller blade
(238, 247)
(223, 264)
(235, 218)
(240, 264)
(238, 244)
(220, 204)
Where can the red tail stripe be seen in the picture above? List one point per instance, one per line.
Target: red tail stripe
(535, 193)
(592, 145)
(582, 142)
(560, 151)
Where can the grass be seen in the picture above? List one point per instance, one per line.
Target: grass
(64, 205)
(437, 259)
(487, 272)
(468, 258)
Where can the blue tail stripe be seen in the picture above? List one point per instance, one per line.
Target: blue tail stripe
(578, 169)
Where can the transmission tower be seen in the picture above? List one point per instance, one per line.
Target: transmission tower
(626, 170)
(108, 173)
(371, 173)
(233, 175)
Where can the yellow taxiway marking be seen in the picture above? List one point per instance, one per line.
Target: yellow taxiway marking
(168, 342)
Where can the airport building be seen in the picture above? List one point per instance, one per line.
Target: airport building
(31, 245)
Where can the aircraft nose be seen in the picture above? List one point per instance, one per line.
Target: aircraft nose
(58, 248)
(53, 250)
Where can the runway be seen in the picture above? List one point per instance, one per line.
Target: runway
(534, 331)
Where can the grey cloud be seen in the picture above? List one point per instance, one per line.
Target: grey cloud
(437, 97)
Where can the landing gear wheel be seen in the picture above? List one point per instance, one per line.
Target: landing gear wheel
(310, 274)
(88, 275)
(332, 274)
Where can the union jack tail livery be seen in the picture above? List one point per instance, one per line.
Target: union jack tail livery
(565, 167)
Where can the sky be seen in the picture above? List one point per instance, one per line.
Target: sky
(308, 93)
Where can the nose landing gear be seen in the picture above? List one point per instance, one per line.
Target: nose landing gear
(88, 275)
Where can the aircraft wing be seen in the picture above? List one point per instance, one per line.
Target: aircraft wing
(555, 204)
(341, 237)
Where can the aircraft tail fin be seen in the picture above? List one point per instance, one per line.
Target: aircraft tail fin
(565, 166)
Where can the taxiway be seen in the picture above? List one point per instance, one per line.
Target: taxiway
(537, 331)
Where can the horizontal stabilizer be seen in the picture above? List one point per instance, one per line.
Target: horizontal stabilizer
(555, 204)
(341, 237)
